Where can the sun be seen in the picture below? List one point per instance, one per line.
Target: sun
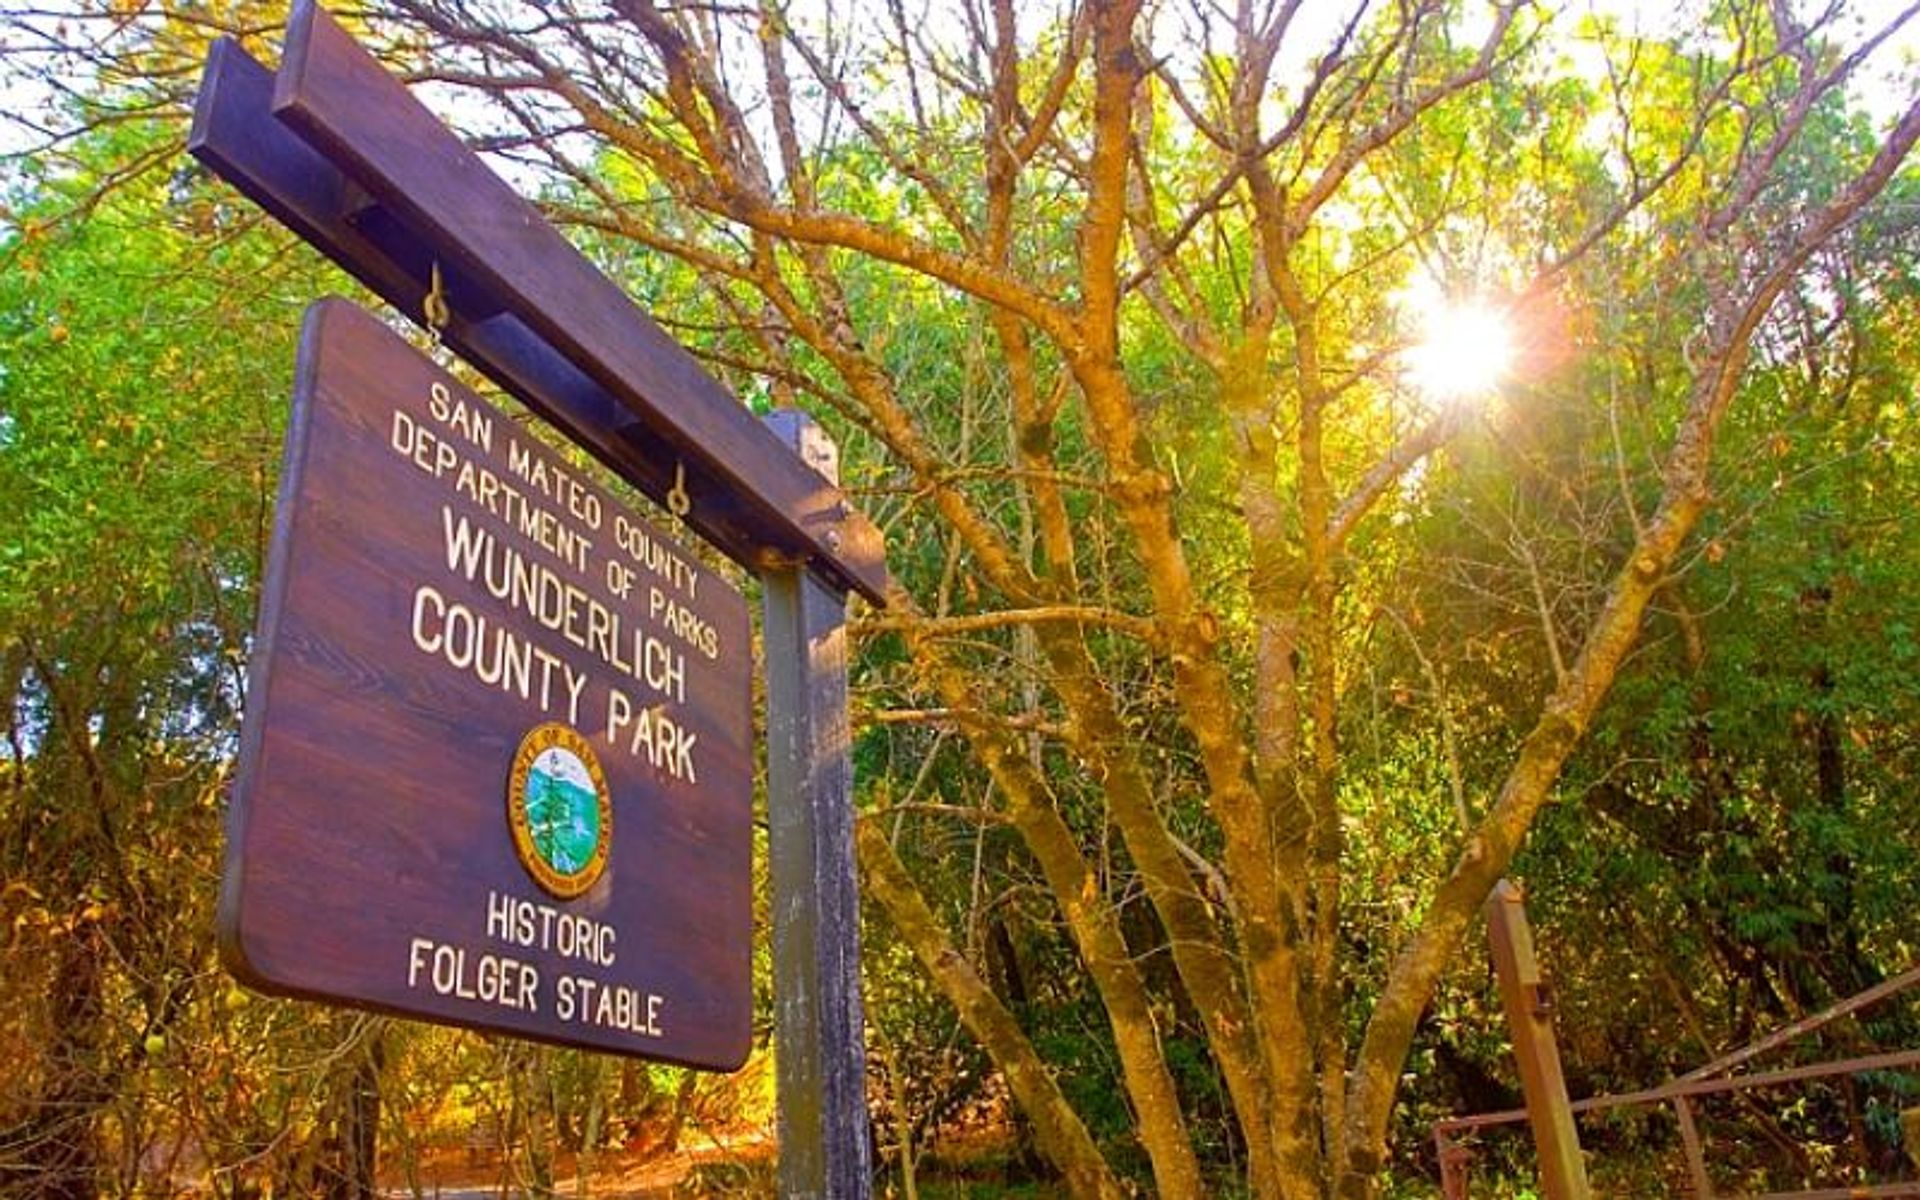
(1465, 346)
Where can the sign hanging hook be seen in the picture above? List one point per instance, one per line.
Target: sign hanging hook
(678, 502)
(434, 307)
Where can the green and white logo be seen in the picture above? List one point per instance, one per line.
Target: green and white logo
(560, 810)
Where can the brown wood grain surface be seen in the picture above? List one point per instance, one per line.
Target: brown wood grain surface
(234, 132)
(421, 177)
(370, 805)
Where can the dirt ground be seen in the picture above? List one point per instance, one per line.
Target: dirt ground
(965, 1165)
(458, 1174)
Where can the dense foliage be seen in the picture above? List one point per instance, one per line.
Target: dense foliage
(1228, 666)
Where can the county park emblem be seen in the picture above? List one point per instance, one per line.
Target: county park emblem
(560, 810)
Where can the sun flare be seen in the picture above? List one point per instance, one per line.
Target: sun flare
(1465, 347)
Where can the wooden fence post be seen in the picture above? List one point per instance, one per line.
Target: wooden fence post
(1529, 1005)
(818, 1022)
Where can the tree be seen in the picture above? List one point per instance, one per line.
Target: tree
(138, 440)
(1101, 300)
(1163, 241)
(1740, 788)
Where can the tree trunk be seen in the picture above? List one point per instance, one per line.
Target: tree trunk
(360, 1135)
(1058, 1130)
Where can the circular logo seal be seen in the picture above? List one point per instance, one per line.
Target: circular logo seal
(560, 810)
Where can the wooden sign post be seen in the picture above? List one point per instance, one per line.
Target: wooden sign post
(340, 152)
(816, 911)
(1529, 1006)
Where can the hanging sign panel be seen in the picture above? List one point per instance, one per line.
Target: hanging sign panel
(496, 767)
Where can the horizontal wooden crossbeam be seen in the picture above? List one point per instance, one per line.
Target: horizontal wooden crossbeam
(338, 149)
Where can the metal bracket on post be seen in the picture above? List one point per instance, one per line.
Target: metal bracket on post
(818, 1022)
(1529, 1007)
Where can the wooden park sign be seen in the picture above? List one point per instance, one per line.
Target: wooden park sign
(496, 767)
(497, 764)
